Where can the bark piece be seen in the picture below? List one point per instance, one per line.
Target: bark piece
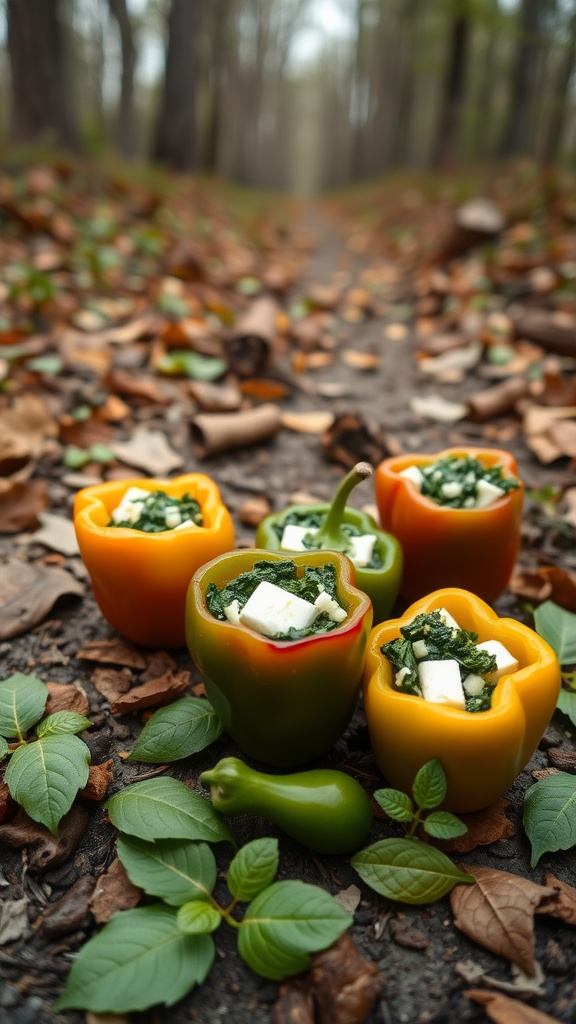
(483, 405)
(555, 331)
(113, 892)
(71, 912)
(213, 434)
(353, 438)
(250, 347)
(99, 778)
(295, 1004)
(28, 592)
(215, 397)
(113, 652)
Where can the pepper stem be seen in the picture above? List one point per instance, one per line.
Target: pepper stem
(330, 534)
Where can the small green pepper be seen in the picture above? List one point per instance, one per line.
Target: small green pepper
(323, 809)
(332, 528)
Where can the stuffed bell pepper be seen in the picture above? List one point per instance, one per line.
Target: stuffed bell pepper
(457, 515)
(142, 541)
(451, 680)
(280, 645)
(377, 556)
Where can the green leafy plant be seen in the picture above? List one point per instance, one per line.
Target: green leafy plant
(49, 766)
(176, 731)
(550, 814)
(407, 869)
(76, 458)
(558, 627)
(157, 953)
(182, 362)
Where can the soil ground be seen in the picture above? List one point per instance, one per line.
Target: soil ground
(421, 985)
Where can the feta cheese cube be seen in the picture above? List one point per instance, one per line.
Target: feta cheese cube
(232, 612)
(185, 522)
(473, 684)
(505, 662)
(447, 619)
(414, 474)
(440, 683)
(398, 678)
(270, 610)
(420, 649)
(451, 489)
(130, 508)
(293, 536)
(172, 516)
(486, 493)
(325, 603)
(362, 548)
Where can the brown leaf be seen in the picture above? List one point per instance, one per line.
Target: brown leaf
(295, 1004)
(21, 504)
(99, 778)
(132, 385)
(353, 438)
(7, 805)
(530, 586)
(148, 450)
(484, 827)
(307, 422)
(215, 397)
(57, 533)
(345, 985)
(563, 584)
(562, 904)
(25, 430)
(112, 683)
(503, 1010)
(405, 934)
(28, 592)
(563, 760)
(157, 664)
(113, 892)
(67, 697)
(113, 652)
(264, 390)
(106, 1018)
(253, 511)
(542, 436)
(154, 693)
(569, 500)
(498, 913)
(361, 360)
(47, 850)
(71, 912)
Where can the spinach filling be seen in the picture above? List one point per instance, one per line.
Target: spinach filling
(315, 520)
(307, 585)
(453, 481)
(442, 642)
(153, 509)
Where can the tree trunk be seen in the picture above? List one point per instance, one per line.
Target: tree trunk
(126, 131)
(39, 88)
(176, 128)
(446, 147)
(515, 135)
(558, 113)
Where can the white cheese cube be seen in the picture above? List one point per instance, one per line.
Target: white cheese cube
(440, 683)
(293, 537)
(505, 662)
(473, 684)
(447, 619)
(398, 678)
(185, 522)
(325, 603)
(172, 516)
(362, 548)
(135, 494)
(486, 493)
(130, 508)
(271, 610)
(414, 474)
(420, 649)
(232, 612)
(451, 489)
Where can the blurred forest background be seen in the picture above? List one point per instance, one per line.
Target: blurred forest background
(302, 95)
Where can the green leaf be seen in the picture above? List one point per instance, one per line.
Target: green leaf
(62, 722)
(567, 704)
(558, 627)
(166, 809)
(284, 924)
(176, 870)
(101, 453)
(52, 365)
(395, 804)
(45, 776)
(75, 458)
(139, 959)
(443, 825)
(407, 870)
(22, 701)
(177, 731)
(253, 868)
(192, 365)
(3, 748)
(198, 918)
(429, 787)
(550, 814)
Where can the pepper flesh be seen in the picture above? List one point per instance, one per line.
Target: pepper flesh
(475, 549)
(323, 809)
(140, 580)
(283, 703)
(481, 753)
(382, 583)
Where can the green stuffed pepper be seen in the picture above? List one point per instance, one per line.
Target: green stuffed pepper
(377, 556)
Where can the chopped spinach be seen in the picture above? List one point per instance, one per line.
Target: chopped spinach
(482, 701)
(307, 584)
(314, 520)
(153, 512)
(401, 656)
(460, 475)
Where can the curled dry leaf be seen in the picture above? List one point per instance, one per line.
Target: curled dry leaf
(26, 429)
(253, 511)
(503, 1010)
(99, 778)
(114, 652)
(530, 586)
(361, 360)
(541, 425)
(57, 533)
(148, 450)
(47, 851)
(349, 898)
(153, 694)
(107, 1018)
(345, 985)
(112, 683)
(562, 904)
(498, 913)
(563, 585)
(7, 804)
(307, 422)
(435, 407)
(353, 438)
(158, 663)
(137, 386)
(521, 986)
(484, 827)
(71, 912)
(28, 592)
(295, 1003)
(21, 504)
(264, 390)
(67, 697)
(212, 433)
(113, 892)
(405, 934)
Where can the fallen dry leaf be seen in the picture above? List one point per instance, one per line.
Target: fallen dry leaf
(569, 500)
(21, 504)
(361, 360)
(114, 652)
(26, 428)
(353, 438)
(349, 899)
(148, 450)
(57, 533)
(67, 697)
(113, 892)
(138, 386)
(157, 664)
(155, 693)
(112, 683)
(28, 592)
(498, 913)
(521, 986)
(503, 1010)
(530, 586)
(295, 1003)
(47, 850)
(7, 805)
(405, 934)
(562, 904)
(345, 985)
(484, 827)
(541, 425)
(99, 778)
(253, 511)
(264, 390)
(307, 422)
(14, 923)
(435, 407)
(563, 584)
(106, 1018)
(70, 912)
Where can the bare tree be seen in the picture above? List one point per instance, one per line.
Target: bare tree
(560, 100)
(39, 78)
(175, 142)
(516, 134)
(126, 129)
(446, 145)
